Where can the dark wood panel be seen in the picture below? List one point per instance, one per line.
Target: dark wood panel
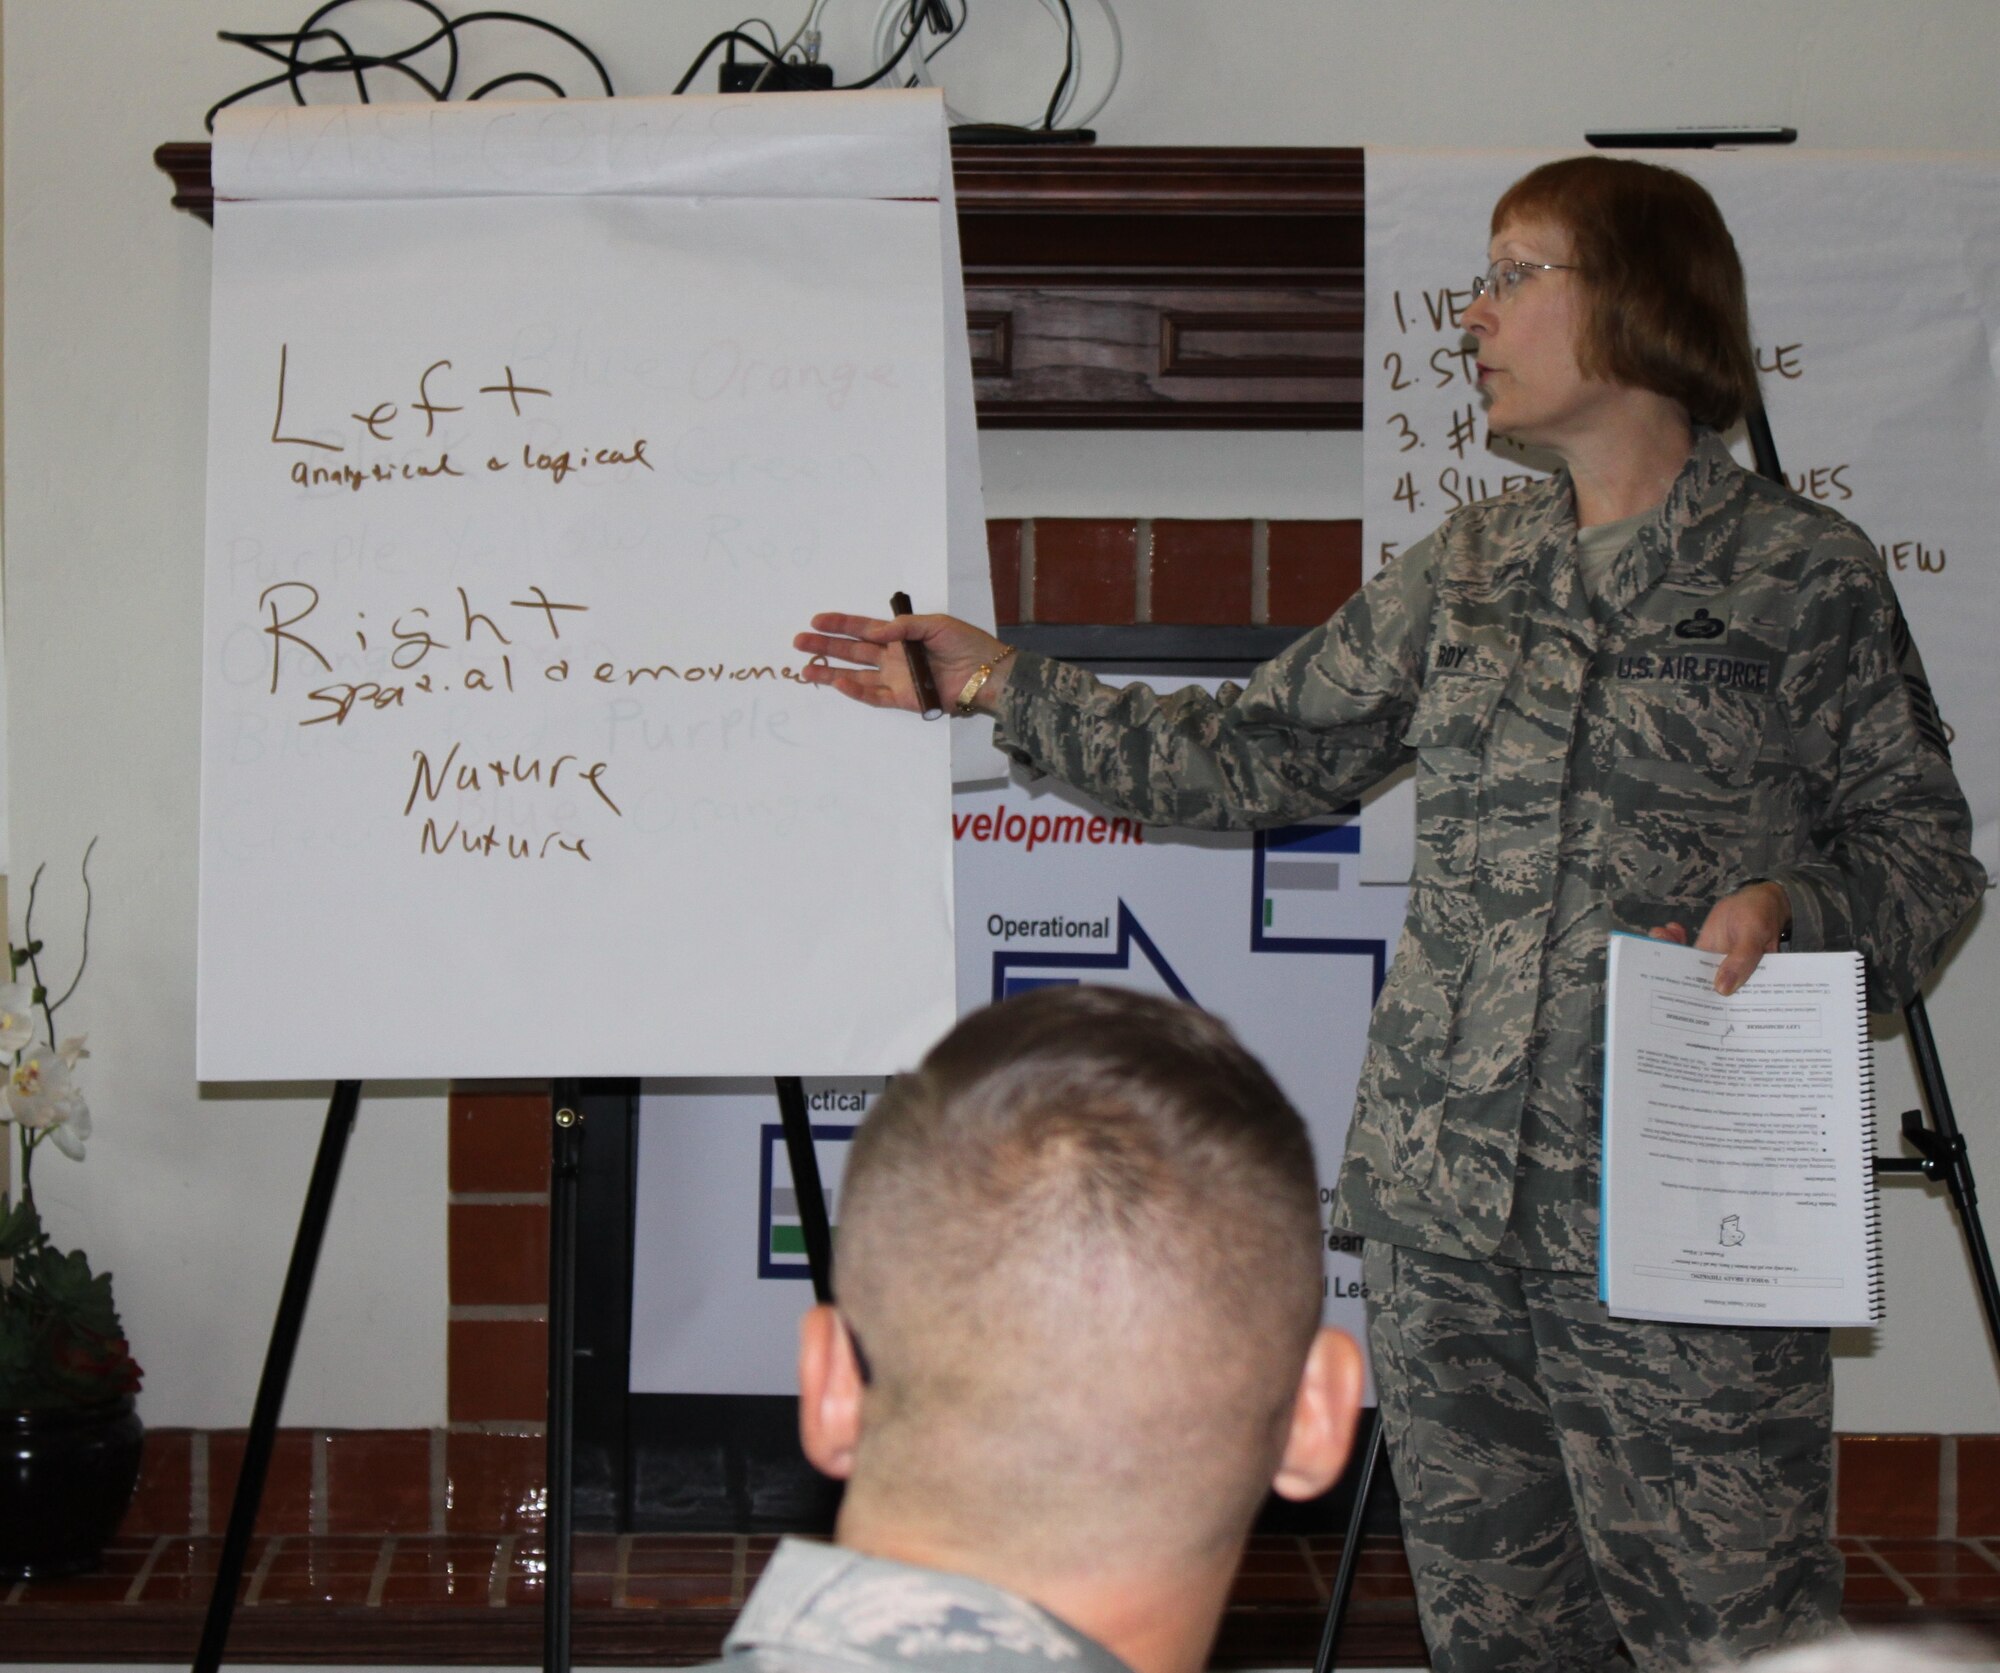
(1174, 357)
(1136, 287)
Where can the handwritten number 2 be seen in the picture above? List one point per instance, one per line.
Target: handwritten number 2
(1393, 364)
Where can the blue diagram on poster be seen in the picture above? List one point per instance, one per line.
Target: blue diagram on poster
(781, 1232)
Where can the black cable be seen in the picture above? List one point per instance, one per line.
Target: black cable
(330, 66)
(262, 44)
(731, 36)
(952, 33)
(1068, 69)
(446, 32)
(912, 26)
(349, 62)
(508, 80)
(563, 35)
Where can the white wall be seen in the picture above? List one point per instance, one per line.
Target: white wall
(191, 1198)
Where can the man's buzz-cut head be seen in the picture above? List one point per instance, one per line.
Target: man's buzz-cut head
(1080, 1252)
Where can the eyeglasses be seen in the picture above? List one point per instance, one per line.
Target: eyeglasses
(1504, 277)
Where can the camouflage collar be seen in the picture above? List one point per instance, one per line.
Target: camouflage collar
(1693, 532)
(819, 1603)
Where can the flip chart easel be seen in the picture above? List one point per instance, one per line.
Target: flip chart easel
(606, 513)
(566, 1130)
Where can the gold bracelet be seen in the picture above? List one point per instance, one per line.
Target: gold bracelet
(972, 687)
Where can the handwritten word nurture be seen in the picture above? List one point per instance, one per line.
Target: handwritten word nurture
(432, 779)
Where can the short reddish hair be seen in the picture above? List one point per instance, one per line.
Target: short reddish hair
(1667, 311)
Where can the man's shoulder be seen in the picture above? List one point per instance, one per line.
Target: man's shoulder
(820, 1605)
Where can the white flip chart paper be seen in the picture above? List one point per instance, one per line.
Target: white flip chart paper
(535, 434)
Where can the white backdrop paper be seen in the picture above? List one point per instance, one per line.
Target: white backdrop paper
(520, 485)
(1875, 305)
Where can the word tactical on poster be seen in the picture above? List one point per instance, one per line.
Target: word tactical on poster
(535, 435)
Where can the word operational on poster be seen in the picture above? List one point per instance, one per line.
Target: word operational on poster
(535, 435)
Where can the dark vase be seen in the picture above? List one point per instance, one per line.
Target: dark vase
(66, 1476)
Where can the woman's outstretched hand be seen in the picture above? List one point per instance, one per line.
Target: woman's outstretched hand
(881, 674)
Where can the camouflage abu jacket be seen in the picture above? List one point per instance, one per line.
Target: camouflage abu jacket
(1732, 707)
(819, 1609)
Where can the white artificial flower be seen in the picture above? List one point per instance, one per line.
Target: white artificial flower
(17, 1016)
(41, 1096)
(71, 1051)
(72, 1127)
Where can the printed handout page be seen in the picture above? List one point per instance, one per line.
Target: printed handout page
(1738, 1181)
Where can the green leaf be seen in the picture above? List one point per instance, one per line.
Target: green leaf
(23, 1361)
(20, 1230)
(76, 1295)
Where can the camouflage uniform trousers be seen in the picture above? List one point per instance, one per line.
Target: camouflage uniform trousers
(1570, 1480)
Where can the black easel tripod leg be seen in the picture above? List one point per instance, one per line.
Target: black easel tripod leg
(1946, 1158)
(804, 1159)
(566, 1149)
(277, 1372)
(1371, 1454)
(1942, 1144)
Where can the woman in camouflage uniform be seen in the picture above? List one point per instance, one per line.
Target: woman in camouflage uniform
(1653, 693)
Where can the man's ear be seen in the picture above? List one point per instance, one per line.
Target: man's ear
(1323, 1415)
(829, 1393)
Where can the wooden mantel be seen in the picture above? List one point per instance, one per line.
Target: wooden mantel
(1136, 288)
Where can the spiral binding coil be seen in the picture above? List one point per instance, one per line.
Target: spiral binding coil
(1871, 1201)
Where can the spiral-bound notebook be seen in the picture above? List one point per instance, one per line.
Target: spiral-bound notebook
(1739, 1141)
